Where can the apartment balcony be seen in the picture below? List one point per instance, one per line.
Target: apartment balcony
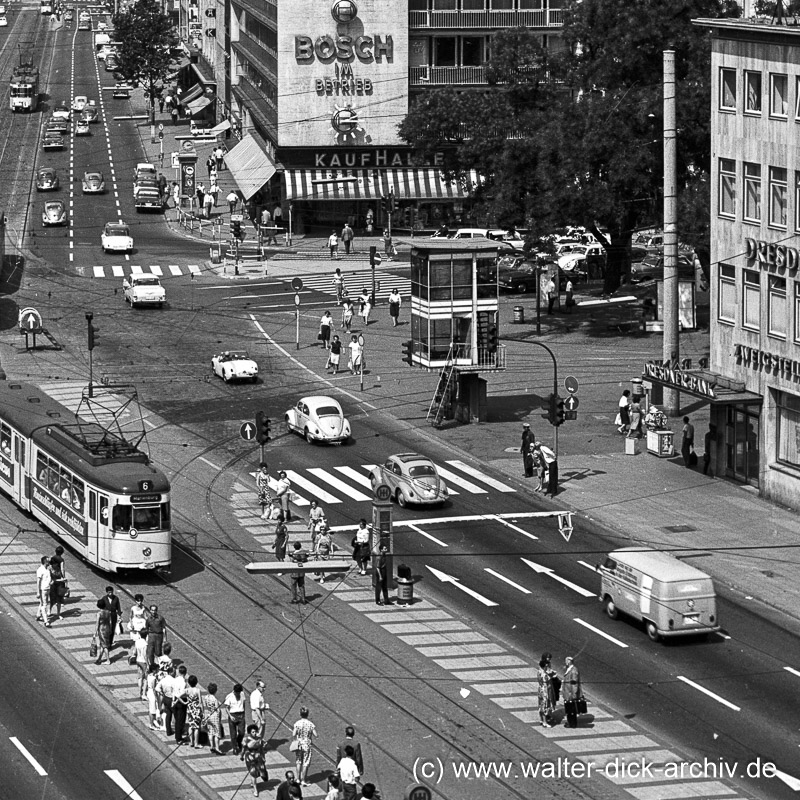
(446, 76)
(485, 19)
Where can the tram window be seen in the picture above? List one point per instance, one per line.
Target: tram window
(147, 519)
(5, 439)
(78, 494)
(42, 469)
(121, 518)
(103, 510)
(165, 516)
(92, 506)
(20, 450)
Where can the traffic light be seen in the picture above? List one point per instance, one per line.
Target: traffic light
(390, 198)
(559, 410)
(91, 331)
(262, 427)
(408, 352)
(236, 229)
(372, 251)
(493, 340)
(551, 408)
(385, 204)
(555, 411)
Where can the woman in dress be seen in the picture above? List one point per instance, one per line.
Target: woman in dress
(152, 699)
(304, 731)
(281, 538)
(164, 661)
(347, 313)
(58, 585)
(103, 632)
(623, 419)
(323, 546)
(361, 546)
(137, 621)
(212, 717)
(635, 431)
(548, 696)
(394, 306)
(262, 487)
(194, 711)
(253, 755)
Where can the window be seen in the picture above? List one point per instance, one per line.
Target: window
(472, 51)
(727, 187)
(777, 314)
(779, 95)
(751, 300)
(778, 192)
(473, 5)
(726, 293)
(752, 192)
(752, 89)
(797, 311)
(788, 413)
(727, 89)
(444, 5)
(444, 51)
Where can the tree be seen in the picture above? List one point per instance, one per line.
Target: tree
(146, 36)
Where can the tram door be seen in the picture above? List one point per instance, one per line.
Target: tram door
(99, 537)
(19, 448)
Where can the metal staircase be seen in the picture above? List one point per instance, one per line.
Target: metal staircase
(444, 395)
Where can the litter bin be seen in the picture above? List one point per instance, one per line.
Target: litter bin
(637, 390)
(519, 315)
(405, 585)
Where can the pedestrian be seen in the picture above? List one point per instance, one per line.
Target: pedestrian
(363, 303)
(281, 541)
(180, 703)
(211, 164)
(160, 103)
(212, 717)
(58, 586)
(208, 204)
(283, 491)
(316, 516)
(140, 660)
(570, 300)
(360, 544)
(173, 112)
(266, 218)
(57, 559)
(380, 577)
(219, 156)
(347, 238)
(277, 216)
(369, 220)
(103, 629)
(348, 774)
(153, 708)
(338, 285)
(263, 493)
(325, 325)
(168, 99)
(254, 756)
(355, 362)
(194, 711)
(200, 193)
(635, 427)
(394, 305)
(708, 445)
(347, 313)
(165, 689)
(111, 602)
(687, 444)
(176, 194)
(156, 627)
(164, 661)
(335, 355)
(259, 707)
(333, 244)
(350, 740)
(539, 465)
(549, 683)
(323, 547)
(234, 703)
(552, 293)
(302, 734)
(525, 449)
(388, 247)
(43, 591)
(214, 191)
(551, 471)
(571, 692)
(333, 788)
(299, 555)
(288, 788)
(623, 419)
(233, 200)
(368, 791)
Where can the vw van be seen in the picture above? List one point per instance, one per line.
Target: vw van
(671, 598)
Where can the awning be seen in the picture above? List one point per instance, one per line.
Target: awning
(207, 80)
(709, 386)
(221, 128)
(359, 184)
(192, 94)
(198, 105)
(250, 165)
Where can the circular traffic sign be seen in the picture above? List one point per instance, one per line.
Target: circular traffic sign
(247, 431)
(571, 384)
(297, 284)
(189, 170)
(571, 403)
(361, 339)
(161, 126)
(383, 492)
(297, 299)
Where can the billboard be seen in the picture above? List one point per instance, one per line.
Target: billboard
(342, 72)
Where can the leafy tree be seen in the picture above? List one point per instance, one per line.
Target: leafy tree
(146, 36)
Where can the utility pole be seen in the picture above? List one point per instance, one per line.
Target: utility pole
(671, 345)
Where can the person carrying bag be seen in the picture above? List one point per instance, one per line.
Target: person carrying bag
(571, 691)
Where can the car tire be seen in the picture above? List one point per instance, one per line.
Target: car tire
(401, 499)
(225, 377)
(307, 436)
(652, 631)
(288, 422)
(522, 288)
(611, 608)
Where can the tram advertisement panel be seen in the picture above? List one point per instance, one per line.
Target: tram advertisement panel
(6, 469)
(60, 513)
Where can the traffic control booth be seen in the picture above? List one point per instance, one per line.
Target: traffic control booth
(454, 321)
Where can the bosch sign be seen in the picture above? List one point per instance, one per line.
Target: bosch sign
(367, 49)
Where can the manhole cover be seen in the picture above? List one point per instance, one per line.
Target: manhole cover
(680, 528)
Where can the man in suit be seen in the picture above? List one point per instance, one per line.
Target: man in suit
(283, 793)
(350, 740)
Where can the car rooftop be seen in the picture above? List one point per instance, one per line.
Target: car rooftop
(405, 457)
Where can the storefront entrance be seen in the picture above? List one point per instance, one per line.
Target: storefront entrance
(742, 455)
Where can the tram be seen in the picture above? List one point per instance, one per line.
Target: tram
(93, 489)
(25, 88)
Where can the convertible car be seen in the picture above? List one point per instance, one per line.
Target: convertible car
(234, 365)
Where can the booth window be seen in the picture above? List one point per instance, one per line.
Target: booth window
(752, 192)
(777, 306)
(419, 277)
(462, 277)
(797, 311)
(727, 89)
(752, 89)
(727, 294)
(751, 300)
(778, 95)
(727, 187)
(788, 443)
(777, 196)
(439, 270)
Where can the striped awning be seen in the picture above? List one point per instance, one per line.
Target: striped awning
(356, 184)
(250, 165)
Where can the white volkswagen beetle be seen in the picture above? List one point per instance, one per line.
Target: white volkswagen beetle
(234, 365)
(318, 419)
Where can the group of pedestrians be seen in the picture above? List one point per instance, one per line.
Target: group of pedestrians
(568, 688)
(539, 461)
(52, 587)
(346, 237)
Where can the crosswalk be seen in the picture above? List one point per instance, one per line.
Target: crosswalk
(123, 270)
(358, 279)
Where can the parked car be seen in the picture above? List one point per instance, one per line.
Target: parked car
(53, 140)
(140, 290)
(412, 478)
(54, 213)
(652, 267)
(93, 183)
(515, 274)
(116, 237)
(234, 365)
(318, 419)
(581, 253)
(3, 21)
(46, 179)
(513, 239)
(61, 111)
(121, 92)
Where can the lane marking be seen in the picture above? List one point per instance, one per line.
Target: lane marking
(355, 476)
(600, 633)
(451, 477)
(428, 536)
(210, 464)
(508, 581)
(540, 569)
(456, 582)
(311, 488)
(341, 486)
(793, 671)
(708, 693)
(496, 518)
(116, 776)
(476, 473)
(31, 760)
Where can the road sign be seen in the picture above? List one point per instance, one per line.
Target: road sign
(570, 415)
(377, 260)
(571, 384)
(297, 299)
(571, 403)
(247, 431)
(383, 492)
(161, 126)
(30, 321)
(174, 163)
(361, 339)
(297, 284)
(189, 170)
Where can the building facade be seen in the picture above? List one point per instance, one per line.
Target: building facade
(755, 236)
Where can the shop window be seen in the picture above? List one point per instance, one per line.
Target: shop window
(778, 194)
(752, 92)
(444, 51)
(778, 95)
(726, 311)
(752, 192)
(797, 311)
(472, 51)
(727, 187)
(777, 312)
(751, 300)
(727, 89)
(788, 442)
(419, 277)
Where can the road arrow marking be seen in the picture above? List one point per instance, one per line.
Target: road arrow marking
(445, 578)
(542, 570)
(507, 580)
(599, 632)
(792, 782)
(708, 693)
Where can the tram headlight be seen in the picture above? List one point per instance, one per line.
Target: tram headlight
(133, 533)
